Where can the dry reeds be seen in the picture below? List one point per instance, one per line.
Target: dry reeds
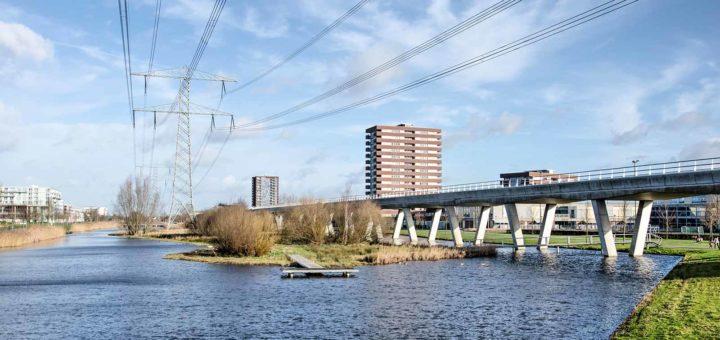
(90, 226)
(33, 234)
(243, 232)
(390, 254)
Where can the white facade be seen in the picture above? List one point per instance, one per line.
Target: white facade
(31, 202)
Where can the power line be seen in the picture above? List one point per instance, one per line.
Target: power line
(407, 55)
(124, 32)
(305, 46)
(447, 34)
(151, 61)
(528, 40)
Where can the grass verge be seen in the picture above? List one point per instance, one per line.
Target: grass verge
(685, 305)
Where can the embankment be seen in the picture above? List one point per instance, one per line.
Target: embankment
(26, 236)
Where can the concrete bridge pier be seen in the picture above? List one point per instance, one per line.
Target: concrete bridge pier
(434, 227)
(515, 228)
(455, 225)
(483, 221)
(405, 214)
(605, 233)
(642, 220)
(547, 225)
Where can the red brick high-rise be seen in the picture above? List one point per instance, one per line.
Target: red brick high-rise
(402, 158)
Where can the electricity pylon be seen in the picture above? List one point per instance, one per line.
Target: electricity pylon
(181, 200)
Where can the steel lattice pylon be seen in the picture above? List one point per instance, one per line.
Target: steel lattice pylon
(181, 201)
(182, 190)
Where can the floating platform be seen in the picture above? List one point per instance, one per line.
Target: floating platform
(309, 268)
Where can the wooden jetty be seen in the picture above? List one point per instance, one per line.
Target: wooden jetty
(309, 268)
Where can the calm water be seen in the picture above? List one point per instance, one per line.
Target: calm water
(94, 286)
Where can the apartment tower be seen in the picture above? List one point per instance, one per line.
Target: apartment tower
(402, 158)
(265, 191)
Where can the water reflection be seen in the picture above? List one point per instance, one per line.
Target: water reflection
(101, 287)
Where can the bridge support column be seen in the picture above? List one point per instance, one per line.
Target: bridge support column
(605, 233)
(547, 224)
(398, 226)
(455, 225)
(405, 215)
(483, 220)
(434, 227)
(515, 228)
(279, 221)
(642, 220)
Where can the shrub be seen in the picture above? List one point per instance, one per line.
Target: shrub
(243, 232)
(356, 221)
(202, 223)
(306, 223)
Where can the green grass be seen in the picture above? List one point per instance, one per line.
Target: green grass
(501, 237)
(686, 304)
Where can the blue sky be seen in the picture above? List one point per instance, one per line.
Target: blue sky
(641, 83)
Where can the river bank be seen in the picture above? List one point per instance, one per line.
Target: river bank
(33, 234)
(327, 255)
(685, 304)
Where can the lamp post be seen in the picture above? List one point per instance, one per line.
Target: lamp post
(634, 163)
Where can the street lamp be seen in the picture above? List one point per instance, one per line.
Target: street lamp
(635, 162)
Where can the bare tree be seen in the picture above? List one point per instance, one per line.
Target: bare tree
(666, 215)
(137, 204)
(712, 212)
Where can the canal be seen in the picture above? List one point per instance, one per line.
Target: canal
(95, 286)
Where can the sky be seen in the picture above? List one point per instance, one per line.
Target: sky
(641, 83)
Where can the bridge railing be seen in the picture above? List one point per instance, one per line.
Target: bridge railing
(638, 170)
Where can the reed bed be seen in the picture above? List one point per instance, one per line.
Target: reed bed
(395, 254)
(32, 234)
(91, 226)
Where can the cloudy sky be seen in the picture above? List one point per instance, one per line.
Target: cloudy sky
(641, 83)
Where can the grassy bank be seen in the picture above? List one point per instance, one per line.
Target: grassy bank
(336, 255)
(686, 304)
(26, 236)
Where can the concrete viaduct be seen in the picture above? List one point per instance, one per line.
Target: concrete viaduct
(644, 184)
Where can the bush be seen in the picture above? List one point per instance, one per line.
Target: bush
(356, 221)
(202, 223)
(243, 232)
(306, 223)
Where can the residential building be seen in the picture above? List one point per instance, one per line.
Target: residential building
(265, 191)
(30, 203)
(402, 158)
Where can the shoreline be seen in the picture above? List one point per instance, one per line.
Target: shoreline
(328, 255)
(660, 313)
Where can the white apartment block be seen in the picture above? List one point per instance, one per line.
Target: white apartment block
(35, 203)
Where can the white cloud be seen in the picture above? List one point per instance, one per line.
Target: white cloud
(22, 42)
(705, 149)
(482, 125)
(8, 133)
(257, 24)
